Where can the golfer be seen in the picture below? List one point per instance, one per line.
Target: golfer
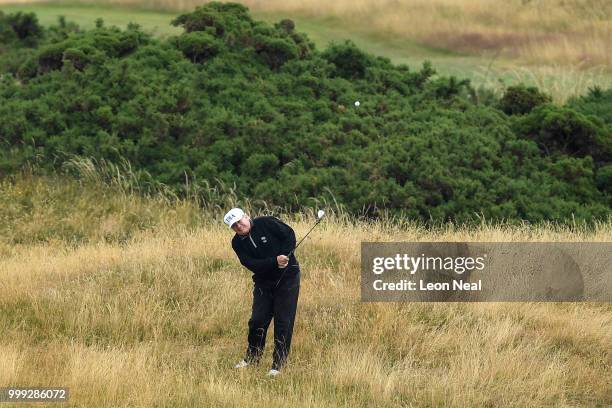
(262, 244)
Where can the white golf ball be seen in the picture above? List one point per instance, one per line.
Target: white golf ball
(357, 103)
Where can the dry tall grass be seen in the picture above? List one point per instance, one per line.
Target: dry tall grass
(158, 317)
(559, 81)
(577, 33)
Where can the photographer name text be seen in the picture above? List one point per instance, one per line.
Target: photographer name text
(421, 285)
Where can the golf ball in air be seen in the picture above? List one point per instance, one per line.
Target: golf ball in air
(356, 103)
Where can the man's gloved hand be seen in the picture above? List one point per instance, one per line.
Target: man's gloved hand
(282, 261)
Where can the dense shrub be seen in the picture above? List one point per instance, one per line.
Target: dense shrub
(561, 130)
(216, 18)
(604, 178)
(197, 46)
(256, 107)
(348, 60)
(520, 99)
(23, 27)
(597, 103)
(275, 51)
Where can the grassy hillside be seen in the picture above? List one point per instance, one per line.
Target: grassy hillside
(141, 302)
(551, 31)
(563, 52)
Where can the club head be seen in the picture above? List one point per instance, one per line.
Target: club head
(320, 214)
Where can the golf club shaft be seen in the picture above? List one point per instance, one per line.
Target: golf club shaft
(303, 238)
(298, 244)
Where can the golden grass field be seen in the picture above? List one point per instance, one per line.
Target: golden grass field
(140, 302)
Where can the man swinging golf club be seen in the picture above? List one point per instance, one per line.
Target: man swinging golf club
(265, 246)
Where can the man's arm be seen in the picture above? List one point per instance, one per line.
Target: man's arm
(254, 264)
(285, 234)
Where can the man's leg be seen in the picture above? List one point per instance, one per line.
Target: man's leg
(259, 322)
(285, 307)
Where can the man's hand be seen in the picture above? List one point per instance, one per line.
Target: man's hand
(282, 261)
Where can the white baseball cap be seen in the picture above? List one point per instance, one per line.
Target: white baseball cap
(233, 215)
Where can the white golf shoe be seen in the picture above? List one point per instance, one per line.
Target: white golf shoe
(273, 373)
(241, 364)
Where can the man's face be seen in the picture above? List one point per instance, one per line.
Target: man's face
(242, 226)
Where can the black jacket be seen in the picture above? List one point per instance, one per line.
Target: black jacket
(257, 251)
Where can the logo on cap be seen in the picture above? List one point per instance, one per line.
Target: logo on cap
(233, 215)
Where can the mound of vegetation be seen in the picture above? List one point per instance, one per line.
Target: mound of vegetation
(237, 102)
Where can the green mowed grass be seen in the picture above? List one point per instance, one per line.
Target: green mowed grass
(85, 15)
(483, 70)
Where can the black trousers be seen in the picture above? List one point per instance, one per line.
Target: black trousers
(279, 303)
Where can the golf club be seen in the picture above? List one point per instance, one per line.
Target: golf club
(320, 215)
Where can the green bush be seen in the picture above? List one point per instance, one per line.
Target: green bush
(604, 178)
(23, 27)
(197, 46)
(275, 52)
(520, 99)
(216, 18)
(348, 60)
(51, 57)
(561, 130)
(7, 34)
(255, 110)
(597, 103)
